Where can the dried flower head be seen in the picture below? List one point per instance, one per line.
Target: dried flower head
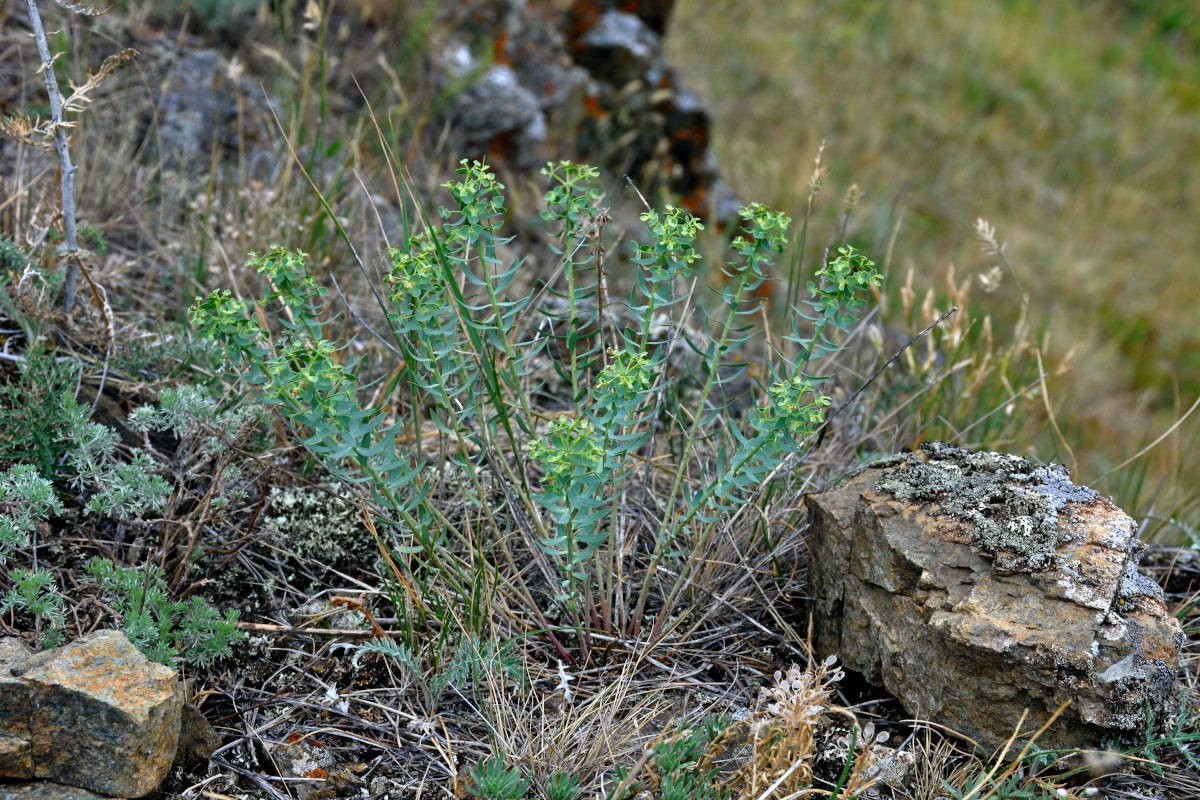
(816, 181)
(853, 197)
(985, 232)
(312, 16)
(990, 280)
(799, 697)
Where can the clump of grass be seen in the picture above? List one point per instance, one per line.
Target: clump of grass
(617, 502)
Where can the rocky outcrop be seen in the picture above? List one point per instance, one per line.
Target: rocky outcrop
(95, 714)
(517, 84)
(588, 81)
(973, 586)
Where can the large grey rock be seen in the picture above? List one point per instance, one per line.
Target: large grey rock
(497, 103)
(192, 108)
(975, 585)
(16, 747)
(95, 714)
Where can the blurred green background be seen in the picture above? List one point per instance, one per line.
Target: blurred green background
(1072, 127)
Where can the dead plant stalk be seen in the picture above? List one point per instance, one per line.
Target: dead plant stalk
(62, 147)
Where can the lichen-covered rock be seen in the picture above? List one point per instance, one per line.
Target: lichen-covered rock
(96, 714)
(1012, 503)
(975, 585)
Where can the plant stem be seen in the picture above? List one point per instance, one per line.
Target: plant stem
(61, 146)
(702, 541)
(660, 546)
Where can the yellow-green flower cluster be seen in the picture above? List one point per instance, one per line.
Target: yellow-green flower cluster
(478, 196)
(628, 373)
(764, 236)
(571, 197)
(305, 375)
(838, 292)
(569, 448)
(417, 284)
(672, 252)
(796, 409)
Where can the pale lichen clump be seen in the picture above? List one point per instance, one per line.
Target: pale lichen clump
(1012, 503)
(320, 526)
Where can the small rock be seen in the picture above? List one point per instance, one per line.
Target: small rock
(303, 758)
(96, 714)
(16, 750)
(197, 739)
(45, 790)
(975, 585)
(655, 13)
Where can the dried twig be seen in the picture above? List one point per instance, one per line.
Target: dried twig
(263, 628)
(61, 147)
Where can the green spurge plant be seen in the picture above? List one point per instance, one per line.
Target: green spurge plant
(297, 373)
(583, 459)
(571, 208)
(472, 361)
(836, 298)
